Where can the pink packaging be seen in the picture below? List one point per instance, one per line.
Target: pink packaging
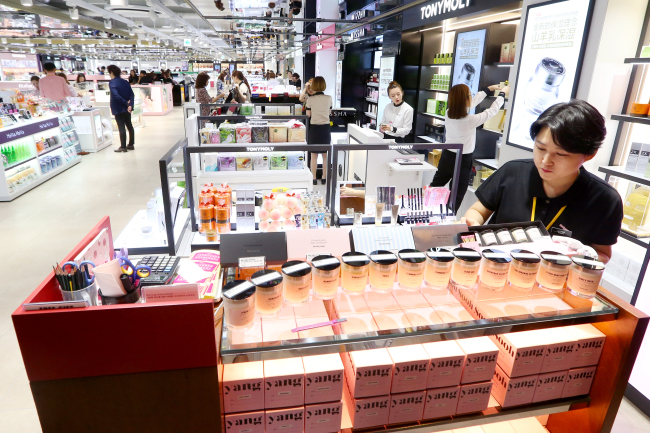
(387, 320)
(411, 367)
(408, 300)
(370, 373)
(498, 427)
(446, 366)
(406, 407)
(513, 391)
(247, 422)
(286, 312)
(578, 381)
(550, 386)
(541, 304)
(481, 359)
(590, 344)
(423, 317)
(560, 349)
(243, 387)
(243, 131)
(290, 420)
(474, 397)
(323, 378)
(323, 417)
(441, 402)
(520, 353)
(369, 412)
(285, 383)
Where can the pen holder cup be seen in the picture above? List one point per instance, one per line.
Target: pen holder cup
(89, 294)
(130, 298)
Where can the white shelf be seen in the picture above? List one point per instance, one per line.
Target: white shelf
(471, 189)
(433, 115)
(429, 139)
(260, 178)
(44, 178)
(372, 116)
(425, 166)
(372, 84)
(374, 101)
(489, 163)
(132, 237)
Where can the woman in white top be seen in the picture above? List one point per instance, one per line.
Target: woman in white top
(70, 86)
(460, 127)
(242, 87)
(318, 107)
(398, 116)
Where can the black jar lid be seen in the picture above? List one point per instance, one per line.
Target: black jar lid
(466, 254)
(266, 278)
(325, 263)
(355, 259)
(525, 256)
(555, 258)
(383, 257)
(411, 256)
(588, 262)
(496, 256)
(296, 268)
(440, 255)
(238, 290)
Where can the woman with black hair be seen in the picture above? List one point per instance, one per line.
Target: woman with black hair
(554, 187)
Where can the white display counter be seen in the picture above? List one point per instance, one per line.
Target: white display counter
(94, 135)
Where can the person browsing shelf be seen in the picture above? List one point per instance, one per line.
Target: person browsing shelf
(202, 95)
(318, 109)
(73, 91)
(122, 99)
(52, 86)
(398, 116)
(242, 89)
(554, 187)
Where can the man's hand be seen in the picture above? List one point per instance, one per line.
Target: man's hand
(129, 109)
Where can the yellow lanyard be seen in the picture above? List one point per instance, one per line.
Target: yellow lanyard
(532, 214)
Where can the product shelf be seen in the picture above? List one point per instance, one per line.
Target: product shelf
(372, 116)
(444, 65)
(493, 130)
(16, 164)
(631, 119)
(44, 177)
(503, 64)
(618, 171)
(637, 60)
(489, 163)
(50, 149)
(437, 116)
(372, 84)
(437, 91)
(374, 101)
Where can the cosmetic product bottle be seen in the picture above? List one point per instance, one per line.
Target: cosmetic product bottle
(519, 235)
(394, 214)
(354, 272)
(383, 267)
(466, 76)
(325, 281)
(268, 293)
(542, 90)
(379, 213)
(488, 237)
(533, 233)
(410, 269)
(239, 304)
(464, 270)
(504, 237)
(494, 270)
(438, 268)
(584, 276)
(523, 269)
(297, 282)
(553, 271)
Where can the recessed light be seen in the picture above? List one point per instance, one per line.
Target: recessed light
(74, 13)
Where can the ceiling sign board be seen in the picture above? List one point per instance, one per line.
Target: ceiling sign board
(439, 10)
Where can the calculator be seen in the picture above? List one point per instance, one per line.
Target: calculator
(163, 269)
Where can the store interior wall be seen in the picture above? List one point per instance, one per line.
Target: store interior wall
(357, 65)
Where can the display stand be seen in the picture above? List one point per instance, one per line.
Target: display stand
(103, 102)
(157, 99)
(93, 135)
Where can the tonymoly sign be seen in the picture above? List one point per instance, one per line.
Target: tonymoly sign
(442, 7)
(435, 11)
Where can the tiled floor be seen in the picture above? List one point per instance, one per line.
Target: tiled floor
(38, 228)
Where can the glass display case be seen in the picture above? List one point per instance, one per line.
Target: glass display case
(95, 131)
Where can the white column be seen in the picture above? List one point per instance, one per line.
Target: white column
(326, 60)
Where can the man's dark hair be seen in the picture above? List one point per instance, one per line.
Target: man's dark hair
(103, 67)
(115, 70)
(35, 78)
(49, 67)
(296, 76)
(576, 126)
(143, 72)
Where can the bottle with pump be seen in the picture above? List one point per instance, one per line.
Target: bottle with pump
(466, 76)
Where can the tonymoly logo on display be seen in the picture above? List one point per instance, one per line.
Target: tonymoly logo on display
(442, 7)
(259, 149)
(401, 147)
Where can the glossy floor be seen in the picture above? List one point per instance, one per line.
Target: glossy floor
(40, 227)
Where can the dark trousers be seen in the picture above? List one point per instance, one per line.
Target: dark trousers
(123, 121)
(446, 172)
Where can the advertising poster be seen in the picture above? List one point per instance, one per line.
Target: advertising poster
(468, 59)
(550, 56)
(386, 75)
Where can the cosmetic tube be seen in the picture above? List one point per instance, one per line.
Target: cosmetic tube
(584, 276)
(354, 272)
(494, 270)
(523, 269)
(438, 269)
(379, 213)
(553, 271)
(464, 270)
(297, 282)
(358, 219)
(325, 281)
(239, 304)
(383, 267)
(268, 293)
(394, 214)
(410, 269)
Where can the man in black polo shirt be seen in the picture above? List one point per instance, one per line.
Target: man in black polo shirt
(554, 187)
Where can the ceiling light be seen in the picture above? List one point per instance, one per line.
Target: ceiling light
(74, 13)
(131, 32)
(153, 15)
(27, 2)
(108, 24)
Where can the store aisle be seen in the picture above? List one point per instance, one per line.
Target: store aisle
(43, 225)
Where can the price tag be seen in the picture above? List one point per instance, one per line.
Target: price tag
(252, 262)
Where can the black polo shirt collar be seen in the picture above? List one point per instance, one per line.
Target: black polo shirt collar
(570, 196)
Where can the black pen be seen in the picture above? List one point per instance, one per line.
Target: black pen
(126, 283)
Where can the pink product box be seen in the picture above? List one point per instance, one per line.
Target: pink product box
(520, 353)
(474, 397)
(578, 381)
(290, 420)
(481, 359)
(358, 323)
(560, 349)
(323, 378)
(381, 302)
(323, 417)
(387, 320)
(278, 330)
(411, 367)
(247, 422)
(446, 366)
(468, 301)
(408, 300)
(243, 387)
(423, 317)
(284, 383)
(371, 372)
(406, 407)
(369, 412)
(441, 402)
(550, 386)
(513, 391)
(590, 344)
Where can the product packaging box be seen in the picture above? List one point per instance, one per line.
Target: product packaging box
(285, 383)
(406, 407)
(505, 53)
(370, 411)
(431, 105)
(453, 313)
(422, 317)
(481, 359)
(550, 386)
(520, 353)
(513, 391)
(290, 420)
(441, 402)
(323, 417)
(334, 241)
(589, 346)
(644, 157)
(411, 367)
(578, 381)
(436, 298)
(446, 366)
(250, 337)
(512, 52)
(633, 157)
(247, 422)
(323, 378)
(560, 349)
(309, 310)
(474, 397)
(243, 387)
(369, 372)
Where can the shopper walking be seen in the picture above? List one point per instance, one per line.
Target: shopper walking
(397, 120)
(52, 86)
(242, 88)
(318, 107)
(122, 99)
(460, 127)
